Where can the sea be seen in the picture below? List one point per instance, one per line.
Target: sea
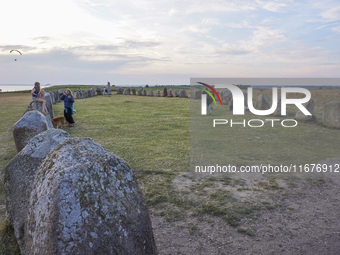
(15, 87)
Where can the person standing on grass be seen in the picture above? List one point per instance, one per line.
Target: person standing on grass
(39, 96)
(68, 106)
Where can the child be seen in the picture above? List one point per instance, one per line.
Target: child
(39, 95)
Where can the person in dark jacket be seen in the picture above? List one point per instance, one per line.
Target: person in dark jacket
(68, 106)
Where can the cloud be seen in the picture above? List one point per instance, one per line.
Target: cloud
(332, 14)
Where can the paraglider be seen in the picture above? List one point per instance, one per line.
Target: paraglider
(16, 51)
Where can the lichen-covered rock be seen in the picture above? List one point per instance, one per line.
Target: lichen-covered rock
(198, 94)
(49, 104)
(127, 91)
(144, 92)
(176, 93)
(183, 94)
(119, 91)
(86, 200)
(133, 91)
(331, 114)
(35, 105)
(150, 92)
(226, 96)
(32, 123)
(158, 93)
(19, 176)
(262, 102)
(170, 93)
(99, 91)
(140, 92)
(165, 92)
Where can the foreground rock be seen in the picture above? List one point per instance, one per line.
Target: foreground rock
(86, 200)
(331, 114)
(32, 123)
(19, 176)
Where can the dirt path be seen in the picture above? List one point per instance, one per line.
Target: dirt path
(307, 222)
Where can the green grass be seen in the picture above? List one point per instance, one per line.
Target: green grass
(308, 142)
(153, 135)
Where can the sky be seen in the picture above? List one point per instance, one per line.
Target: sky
(130, 42)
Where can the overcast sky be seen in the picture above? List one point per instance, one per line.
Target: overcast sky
(166, 42)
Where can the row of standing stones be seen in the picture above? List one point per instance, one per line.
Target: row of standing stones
(331, 110)
(70, 195)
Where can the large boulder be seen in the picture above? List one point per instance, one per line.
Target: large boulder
(150, 92)
(35, 105)
(183, 94)
(170, 93)
(99, 91)
(127, 91)
(49, 104)
(198, 94)
(310, 107)
(32, 123)
(19, 176)
(176, 93)
(165, 92)
(86, 200)
(262, 102)
(226, 96)
(158, 93)
(119, 91)
(331, 114)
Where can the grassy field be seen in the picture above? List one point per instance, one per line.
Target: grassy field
(153, 135)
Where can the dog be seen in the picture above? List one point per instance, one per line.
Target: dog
(59, 120)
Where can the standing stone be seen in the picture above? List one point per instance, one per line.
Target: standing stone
(99, 91)
(262, 102)
(331, 114)
(57, 97)
(52, 96)
(165, 92)
(19, 177)
(158, 93)
(119, 91)
(34, 105)
(176, 93)
(61, 92)
(32, 123)
(92, 206)
(127, 92)
(144, 92)
(79, 95)
(183, 94)
(198, 94)
(140, 92)
(150, 92)
(49, 104)
(133, 91)
(86, 94)
(170, 94)
(108, 88)
(310, 107)
(226, 96)
(192, 94)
